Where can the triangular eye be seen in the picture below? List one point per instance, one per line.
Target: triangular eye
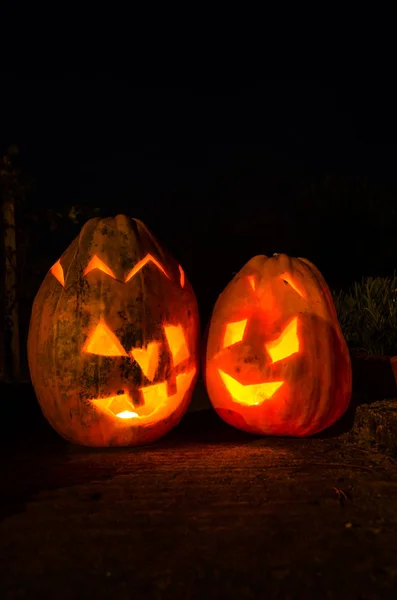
(104, 342)
(252, 281)
(286, 344)
(141, 263)
(181, 277)
(234, 333)
(57, 271)
(288, 280)
(97, 263)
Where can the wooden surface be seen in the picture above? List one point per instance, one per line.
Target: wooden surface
(208, 512)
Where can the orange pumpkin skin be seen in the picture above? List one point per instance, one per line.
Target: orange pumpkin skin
(113, 344)
(275, 360)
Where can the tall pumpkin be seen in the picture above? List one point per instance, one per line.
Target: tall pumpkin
(113, 337)
(275, 359)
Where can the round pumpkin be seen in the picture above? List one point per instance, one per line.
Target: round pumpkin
(113, 337)
(275, 359)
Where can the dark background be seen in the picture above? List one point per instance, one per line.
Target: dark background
(218, 171)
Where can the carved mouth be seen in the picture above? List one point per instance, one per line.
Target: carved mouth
(249, 395)
(156, 400)
(120, 406)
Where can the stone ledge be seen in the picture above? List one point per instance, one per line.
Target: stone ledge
(376, 424)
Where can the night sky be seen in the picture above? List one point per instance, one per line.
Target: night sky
(215, 170)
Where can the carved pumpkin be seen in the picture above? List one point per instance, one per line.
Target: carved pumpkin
(276, 362)
(113, 337)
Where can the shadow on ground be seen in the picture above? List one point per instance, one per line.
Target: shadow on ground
(208, 511)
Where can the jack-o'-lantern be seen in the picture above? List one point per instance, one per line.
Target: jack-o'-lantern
(113, 337)
(275, 359)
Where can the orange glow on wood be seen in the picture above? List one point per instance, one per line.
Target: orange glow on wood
(251, 279)
(57, 271)
(141, 263)
(234, 333)
(177, 343)
(249, 395)
(182, 277)
(97, 263)
(147, 359)
(286, 344)
(104, 342)
(288, 279)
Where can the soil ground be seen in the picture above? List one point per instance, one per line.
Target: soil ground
(207, 512)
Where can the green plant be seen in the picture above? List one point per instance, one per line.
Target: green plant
(367, 313)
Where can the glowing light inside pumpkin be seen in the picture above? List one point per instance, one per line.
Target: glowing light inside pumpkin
(251, 280)
(285, 277)
(141, 263)
(177, 343)
(147, 358)
(127, 414)
(97, 263)
(104, 342)
(182, 277)
(234, 333)
(286, 344)
(249, 395)
(57, 271)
